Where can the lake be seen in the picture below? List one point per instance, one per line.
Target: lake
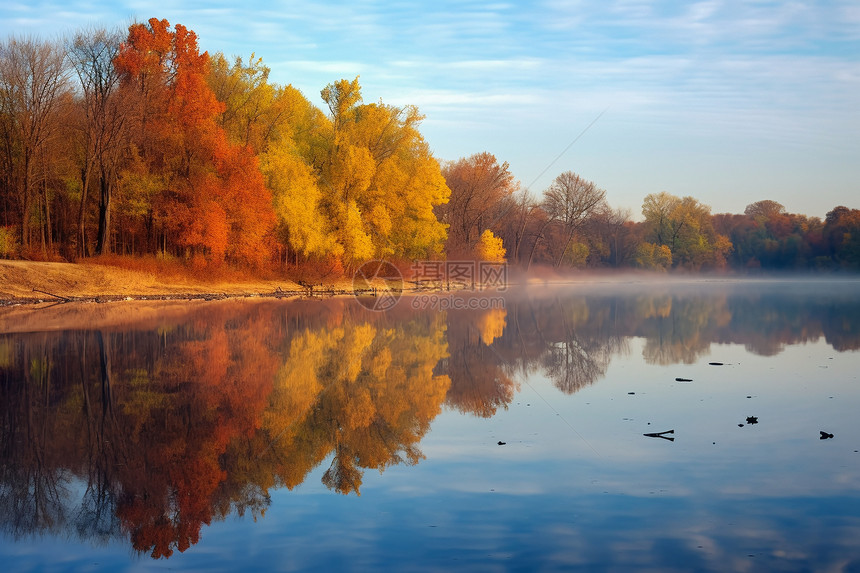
(707, 425)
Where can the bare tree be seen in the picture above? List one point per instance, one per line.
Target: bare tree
(33, 88)
(616, 220)
(570, 201)
(104, 124)
(518, 214)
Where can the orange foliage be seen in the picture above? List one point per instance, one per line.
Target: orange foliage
(216, 201)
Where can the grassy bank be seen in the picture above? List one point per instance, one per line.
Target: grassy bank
(26, 281)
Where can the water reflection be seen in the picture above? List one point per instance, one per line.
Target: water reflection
(146, 425)
(171, 426)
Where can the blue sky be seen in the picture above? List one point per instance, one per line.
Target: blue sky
(730, 102)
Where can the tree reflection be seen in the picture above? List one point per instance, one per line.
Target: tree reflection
(163, 428)
(148, 430)
(480, 380)
(570, 340)
(363, 394)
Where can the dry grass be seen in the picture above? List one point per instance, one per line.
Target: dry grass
(118, 276)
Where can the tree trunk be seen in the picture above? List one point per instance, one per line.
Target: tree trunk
(538, 237)
(47, 222)
(564, 250)
(81, 248)
(103, 243)
(26, 207)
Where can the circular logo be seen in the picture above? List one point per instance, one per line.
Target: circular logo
(377, 285)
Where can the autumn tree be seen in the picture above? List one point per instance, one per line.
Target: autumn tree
(684, 226)
(765, 209)
(479, 186)
(842, 233)
(214, 201)
(616, 222)
(490, 248)
(516, 223)
(379, 181)
(262, 115)
(569, 202)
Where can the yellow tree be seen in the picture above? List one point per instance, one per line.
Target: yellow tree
(381, 182)
(297, 196)
(490, 248)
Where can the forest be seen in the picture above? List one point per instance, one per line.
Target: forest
(135, 144)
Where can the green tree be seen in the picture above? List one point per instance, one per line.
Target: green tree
(686, 227)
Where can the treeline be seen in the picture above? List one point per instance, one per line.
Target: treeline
(572, 225)
(138, 144)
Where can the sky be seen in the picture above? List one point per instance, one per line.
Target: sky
(728, 102)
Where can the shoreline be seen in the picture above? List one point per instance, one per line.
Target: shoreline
(28, 283)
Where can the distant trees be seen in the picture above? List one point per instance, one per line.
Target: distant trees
(569, 202)
(766, 209)
(685, 227)
(136, 143)
(767, 237)
(841, 237)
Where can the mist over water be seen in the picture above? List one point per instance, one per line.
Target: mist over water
(231, 434)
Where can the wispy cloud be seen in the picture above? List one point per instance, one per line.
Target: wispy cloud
(776, 75)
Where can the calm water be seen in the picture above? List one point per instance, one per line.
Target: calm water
(311, 435)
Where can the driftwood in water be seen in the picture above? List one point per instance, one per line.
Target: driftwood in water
(661, 435)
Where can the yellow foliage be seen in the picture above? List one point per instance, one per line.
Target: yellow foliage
(490, 248)
(576, 254)
(365, 395)
(653, 257)
(491, 325)
(296, 198)
(357, 244)
(350, 172)
(377, 166)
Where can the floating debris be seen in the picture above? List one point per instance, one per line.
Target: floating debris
(683, 379)
(661, 435)
(752, 419)
(824, 435)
